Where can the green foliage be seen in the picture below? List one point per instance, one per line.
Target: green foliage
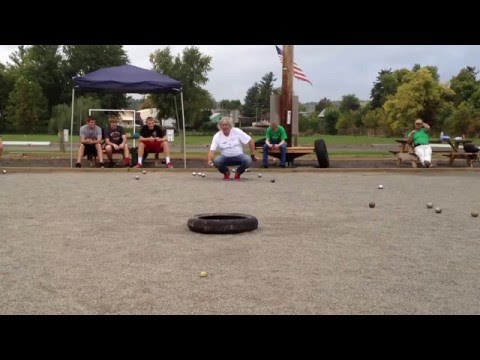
(464, 84)
(82, 59)
(61, 118)
(251, 101)
(323, 104)
(420, 96)
(257, 100)
(329, 123)
(26, 105)
(373, 119)
(349, 103)
(386, 85)
(231, 105)
(191, 69)
(465, 120)
(82, 106)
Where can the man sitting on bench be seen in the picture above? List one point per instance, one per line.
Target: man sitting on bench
(275, 139)
(421, 142)
(153, 140)
(90, 142)
(116, 141)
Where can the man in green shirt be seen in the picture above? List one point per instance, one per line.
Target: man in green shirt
(421, 142)
(275, 139)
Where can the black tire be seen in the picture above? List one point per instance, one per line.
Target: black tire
(260, 143)
(322, 154)
(222, 223)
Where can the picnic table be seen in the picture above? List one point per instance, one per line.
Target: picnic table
(446, 147)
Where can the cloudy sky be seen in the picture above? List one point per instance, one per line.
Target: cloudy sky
(335, 70)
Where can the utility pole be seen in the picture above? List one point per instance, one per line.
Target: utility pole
(287, 92)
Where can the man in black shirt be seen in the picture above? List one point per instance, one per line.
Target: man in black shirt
(153, 140)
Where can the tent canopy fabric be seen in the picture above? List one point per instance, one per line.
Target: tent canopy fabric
(127, 79)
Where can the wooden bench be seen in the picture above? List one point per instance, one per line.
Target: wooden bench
(462, 155)
(292, 152)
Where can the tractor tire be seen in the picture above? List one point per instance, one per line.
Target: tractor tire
(222, 223)
(322, 154)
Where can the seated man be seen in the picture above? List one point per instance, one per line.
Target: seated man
(90, 142)
(275, 139)
(1, 147)
(421, 142)
(116, 141)
(153, 140)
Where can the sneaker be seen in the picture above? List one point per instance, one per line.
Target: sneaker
(237, 176)
(78, 165)
(169, 165)
(265, 166)
(138, 165)
(427, 163)
(226, 176)
(100, 165)
(111, 164)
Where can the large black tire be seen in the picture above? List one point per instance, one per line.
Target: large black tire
(260, 143)
(322, 154)
(222, 223)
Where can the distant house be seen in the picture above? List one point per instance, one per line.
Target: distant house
(322, 113)
(169, 123)
(216, 117)
(144, 113)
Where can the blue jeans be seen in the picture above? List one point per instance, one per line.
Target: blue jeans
(283, 154)
(221, 162)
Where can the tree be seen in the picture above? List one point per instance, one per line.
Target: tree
(349, 103)
(323, 104)
(265, 90)
(464, 84)
(373, 119)
(7, 82)
(43, 64)
(250, 105)
(83, 59)
(330, 121)
(191, 69)
(420, 96)
(26, 105)
(465, 120)
(386, 85)
(231, 105)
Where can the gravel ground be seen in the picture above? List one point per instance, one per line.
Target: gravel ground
(101, 242)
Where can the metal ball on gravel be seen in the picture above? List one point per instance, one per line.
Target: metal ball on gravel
(273, 180)
(380, 186)
(144, 172)
(474, 214)
(259, 175)
(438, 210)
(4, 171)
(372, 204)
(194, 173)
(429, 205)
(203, 273)
(137, 177)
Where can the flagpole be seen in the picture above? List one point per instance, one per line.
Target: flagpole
(286, 113)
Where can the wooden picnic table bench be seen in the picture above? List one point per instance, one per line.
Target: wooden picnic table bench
(292, 152)
(406, 151)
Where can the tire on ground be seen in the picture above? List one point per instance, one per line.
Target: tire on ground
(229, 223)
(260, 142)
(322, 154)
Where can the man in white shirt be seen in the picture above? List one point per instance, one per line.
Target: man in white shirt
(229, 141)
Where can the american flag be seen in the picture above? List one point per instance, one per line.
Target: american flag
(297, 72)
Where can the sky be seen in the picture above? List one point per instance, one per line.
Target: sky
(335, 70)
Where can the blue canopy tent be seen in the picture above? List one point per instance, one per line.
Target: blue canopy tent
(127, 79)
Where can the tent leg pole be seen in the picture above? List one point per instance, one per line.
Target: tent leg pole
(71, 129)
(183, 122)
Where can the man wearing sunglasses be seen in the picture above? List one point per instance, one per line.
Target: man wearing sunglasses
(421, 142)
